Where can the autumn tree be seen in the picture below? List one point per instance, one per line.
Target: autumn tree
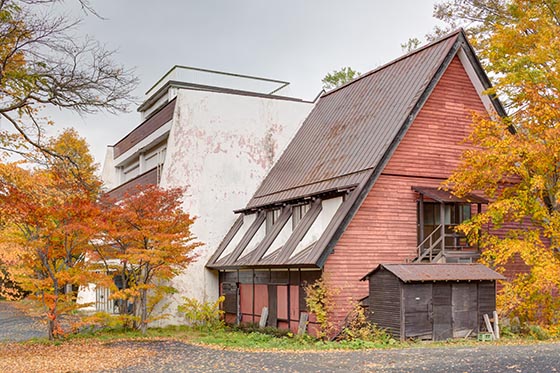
(149, 235)
(515, 160)
(50, 215)
(339, 77)
(44, 63)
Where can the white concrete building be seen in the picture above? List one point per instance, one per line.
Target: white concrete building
(216, 133)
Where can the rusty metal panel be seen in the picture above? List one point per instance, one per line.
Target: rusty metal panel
(439, 272)
(351, 128)
(447, 197)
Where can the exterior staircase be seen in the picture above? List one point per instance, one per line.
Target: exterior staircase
(442, 246)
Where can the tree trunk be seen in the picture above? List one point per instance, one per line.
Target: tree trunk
(143, 310)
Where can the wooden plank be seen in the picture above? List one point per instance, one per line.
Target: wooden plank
(384, 302)
(489, 326)
(272, 306)
(264, 317)
(302, 326)
(496, 325)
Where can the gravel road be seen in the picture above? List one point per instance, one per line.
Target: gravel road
(16, 326)
(172, 356)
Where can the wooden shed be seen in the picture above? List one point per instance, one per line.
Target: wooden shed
(431, 301)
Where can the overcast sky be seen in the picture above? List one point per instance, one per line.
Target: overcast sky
(299, 41)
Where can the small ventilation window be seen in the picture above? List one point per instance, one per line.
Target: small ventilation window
(298, 212)
(271, 218)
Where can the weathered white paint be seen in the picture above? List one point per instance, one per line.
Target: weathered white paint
(109, 172)
(329, 208)
(221, 146)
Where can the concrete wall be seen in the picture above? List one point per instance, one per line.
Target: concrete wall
(221, 146)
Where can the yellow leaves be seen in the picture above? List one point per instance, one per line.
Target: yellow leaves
(73, 356)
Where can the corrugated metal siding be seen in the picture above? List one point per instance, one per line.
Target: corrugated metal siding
(350, 129)
(164, 115)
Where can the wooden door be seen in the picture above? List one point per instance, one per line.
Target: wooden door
(417, 305)
(464, 309)
(442, 311)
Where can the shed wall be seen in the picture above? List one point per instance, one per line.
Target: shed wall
(384, 230)
(385, 301)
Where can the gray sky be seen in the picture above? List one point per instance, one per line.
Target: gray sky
(295, 40)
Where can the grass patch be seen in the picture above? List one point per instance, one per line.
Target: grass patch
(252, 339)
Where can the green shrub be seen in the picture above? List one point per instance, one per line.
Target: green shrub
(320, 302)
(361, 332)
(203, 315)
(539, 333)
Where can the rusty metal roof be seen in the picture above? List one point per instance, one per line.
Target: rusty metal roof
(447, 197)
(439, 272)
(345, 143)
(352, 127)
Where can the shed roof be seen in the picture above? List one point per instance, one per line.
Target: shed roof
(447, 197)
(439, 272)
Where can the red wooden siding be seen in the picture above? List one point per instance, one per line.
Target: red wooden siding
(162, 116)
(384, 229)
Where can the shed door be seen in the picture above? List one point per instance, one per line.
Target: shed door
(417, 311)
(443, 322)
(464, 309)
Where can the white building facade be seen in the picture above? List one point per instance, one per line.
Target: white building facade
(217, 134)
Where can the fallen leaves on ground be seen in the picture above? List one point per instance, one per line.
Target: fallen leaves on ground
(71, 356)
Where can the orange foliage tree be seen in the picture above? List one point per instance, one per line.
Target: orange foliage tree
(50, 214)
(516, 160)
(149, 235)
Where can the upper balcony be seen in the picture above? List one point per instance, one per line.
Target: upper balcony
(165, 89)
(439, 214)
